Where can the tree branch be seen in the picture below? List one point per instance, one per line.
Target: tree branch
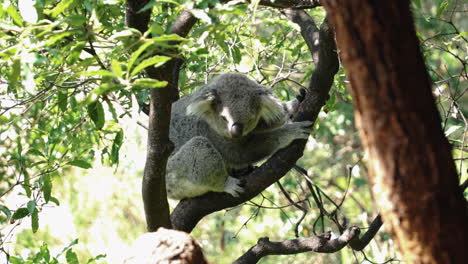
(320, 244)
(360, 243)
(296, 4)
(189, 211)
(159, 145)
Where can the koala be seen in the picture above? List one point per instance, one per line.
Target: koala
(226, 125)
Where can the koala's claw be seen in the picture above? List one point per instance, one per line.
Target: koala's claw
(304, 129)
(233, 186)
(302, 94)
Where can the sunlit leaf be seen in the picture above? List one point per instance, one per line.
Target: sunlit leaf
(441, 8)
(124, 34)
(102, 73)
(58, 36)
(13, 13)
(80, 163)
(117, 68)
(155, 61)
(146, 83)
(170, 37)
(71, 257)
(76, 20)
(91, 260)
(60, 7)
(137, 54)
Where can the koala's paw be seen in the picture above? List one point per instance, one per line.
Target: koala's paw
(233, 186)
(301, 96)
(302, 129)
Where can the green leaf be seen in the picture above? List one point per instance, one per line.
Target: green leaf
(71, 257)
(45, 253)
(55, 200)
(31, 206)
(58, 36)
(62, 99)
(147, 83)
(20, 213)
(114, 157)
(80, 163)
(125, 34)
(47, 187)
(156, 61)
(102, 73)
(35, 221)
(60, 7)
(236, 55)
(16, 260)
(117, 68)
(170, 37)
(76, 20)
(6, 211)
(75, 52)
(100, 256)
(441, 8)
(417, 3)
(137, 54)
(96, 113)
(13, 13)
(35, 152)
(14, 75)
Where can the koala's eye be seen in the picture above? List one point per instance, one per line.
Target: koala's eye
(224, 119)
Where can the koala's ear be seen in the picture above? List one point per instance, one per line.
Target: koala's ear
(202, 104)
(271, 108)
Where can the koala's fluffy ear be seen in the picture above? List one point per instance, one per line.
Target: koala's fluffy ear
(271, 108)
(202, 104)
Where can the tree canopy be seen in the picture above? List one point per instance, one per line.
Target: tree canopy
(84, 84)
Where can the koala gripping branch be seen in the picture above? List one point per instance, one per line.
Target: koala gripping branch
(189, 211)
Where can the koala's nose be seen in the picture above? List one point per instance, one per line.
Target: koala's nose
(236, 130)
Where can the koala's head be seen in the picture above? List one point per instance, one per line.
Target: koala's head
(233, 105)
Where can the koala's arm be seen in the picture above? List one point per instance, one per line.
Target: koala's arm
(261, 145)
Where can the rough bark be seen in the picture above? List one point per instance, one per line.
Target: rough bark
(188, 212)
(414, 178)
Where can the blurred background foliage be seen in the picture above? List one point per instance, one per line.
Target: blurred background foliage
(73, 137)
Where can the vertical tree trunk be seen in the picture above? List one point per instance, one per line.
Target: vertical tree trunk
(413, 174)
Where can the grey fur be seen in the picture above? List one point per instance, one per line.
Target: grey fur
(230, 123)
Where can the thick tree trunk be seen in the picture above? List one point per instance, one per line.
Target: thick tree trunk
(414, 178)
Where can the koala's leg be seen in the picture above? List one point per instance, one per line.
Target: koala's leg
(196, 168)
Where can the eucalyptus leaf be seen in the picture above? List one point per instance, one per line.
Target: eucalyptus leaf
(20, 213)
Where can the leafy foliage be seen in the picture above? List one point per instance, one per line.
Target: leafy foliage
(72, 75)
